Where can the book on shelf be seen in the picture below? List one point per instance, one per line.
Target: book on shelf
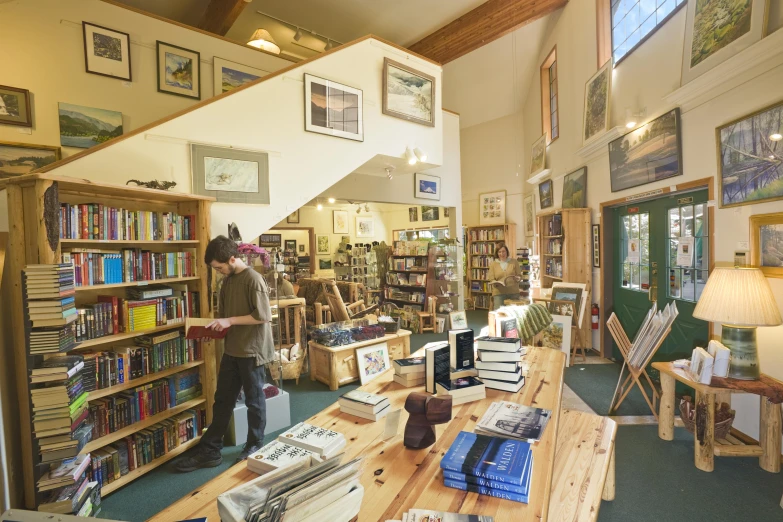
(277, 455)
(102, 222)
(362, 401)
(409, 365)
(66, 500)
(321, 441)
(58, 368)
(410, 380)
(461, 355)
(514, 421)
(437, 357)
(91, 503)
(52, 340)
(64, 473)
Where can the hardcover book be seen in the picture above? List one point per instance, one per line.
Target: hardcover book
(410, 365)
(498, 344)
(461, 386)
(514, 421)
(488, 356)
(506, 386)
(490, 458)
(462, 355)
(514, 376)
(437, 365)
(363, 401)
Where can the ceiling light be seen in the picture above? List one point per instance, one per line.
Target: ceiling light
(410, 156)
(332, 200)
(261, 39)
(319, 207)
(420, 154)
(329, 45)
(298, 35)
(776, 137)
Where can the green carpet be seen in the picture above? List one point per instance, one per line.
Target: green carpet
(595, 384)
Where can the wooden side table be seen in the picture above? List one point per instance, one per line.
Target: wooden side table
(768, 448)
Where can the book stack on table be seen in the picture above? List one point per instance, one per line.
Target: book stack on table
(449, 367)
(51, 308)
(499, 363)
(277, 455)
(324, 443)
(365, 405)
(409, 372)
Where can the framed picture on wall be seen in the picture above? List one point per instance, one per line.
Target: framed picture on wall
(413, 214)
(530, 214)
(408, 94)
(301, 249)
(324, 264)
(106, 52)
(365, 226)
(597, 92)
(229, 75)
(17, 159)
(322, 244)
(766, 243)
(230, 175)
(492, 208)
(15, 107)
(426, 186)
(430, 213)
(333, 108)
(596, 246)
(575, 189)
(179, 71)
(290, 244)
(293, 217)
(270, 240)
(340, 221)
(545, 194)
(538, 156)
(85, 127)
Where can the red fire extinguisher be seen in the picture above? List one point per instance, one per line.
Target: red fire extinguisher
(595, 313)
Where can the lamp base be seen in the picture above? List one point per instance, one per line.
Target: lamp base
(744, 351)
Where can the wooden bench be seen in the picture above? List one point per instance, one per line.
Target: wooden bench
(584, 466)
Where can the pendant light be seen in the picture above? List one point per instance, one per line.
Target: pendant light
(261, 39)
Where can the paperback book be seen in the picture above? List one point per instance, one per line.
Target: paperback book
(490, 458)
(437, 365)
(321, 441)
(514, 421)
(410, 365)
(363, 401)
(276, 455)
(462, 355)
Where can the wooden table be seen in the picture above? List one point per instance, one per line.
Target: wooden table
(336, 365)
(397, 479)
(768, 449)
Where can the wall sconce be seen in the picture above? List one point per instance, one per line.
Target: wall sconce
(632, 118)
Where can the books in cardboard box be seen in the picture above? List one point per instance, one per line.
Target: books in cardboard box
(362, 401)
(321, 441)
(276, 455)
(514, 421)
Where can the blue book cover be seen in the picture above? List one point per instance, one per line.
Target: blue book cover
(491, 458)
(481, 490)
(492, 484)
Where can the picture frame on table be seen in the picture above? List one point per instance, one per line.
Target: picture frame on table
(17, 159)
(596, 246)
(545, 194)
(322, 244)
(459, 320)
(340, 221)
(179, 70)
(333, 108)
(766, 243)
(596, 108)
(290, 244)
(492, 208)
(230, 175)
(107, 52)
(372, 361)
(426, 186)
(293, 217)
(228, 75)
(408, 94)
(15, 107)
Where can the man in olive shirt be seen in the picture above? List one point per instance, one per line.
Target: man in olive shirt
(243, 307)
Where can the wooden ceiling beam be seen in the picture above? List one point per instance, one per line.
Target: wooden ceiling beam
(221, 15)
(484, 24)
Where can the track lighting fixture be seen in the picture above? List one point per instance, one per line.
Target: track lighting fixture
(410, 156)
(319, 207)
(298, 35)
(389, 171)
(420, 154)
(332, 200)
(329, 45)
(366, 207)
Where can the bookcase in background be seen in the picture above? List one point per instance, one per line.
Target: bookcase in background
(481, 253)
(34, 221)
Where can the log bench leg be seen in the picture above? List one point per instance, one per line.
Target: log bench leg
(703, 454)
(769, 436)
(666, 411)
(608, 493)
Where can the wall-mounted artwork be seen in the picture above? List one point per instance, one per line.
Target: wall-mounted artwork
(301, 249)
(650, 153)
(229, 75)
(766, 243)
(322, 244)
(597, 92)
(230, 175)
(530, 215)
(17, 159)
(426, 186)
(106, 52)
(596, 246)
(716, 30)
(15, 107)
(290, 244)
(293, 217)
(340, 221)
(446, 212)
(750, 158)
(430, 213)
(85, 127)
(179, 71)
(575, 189)
(365, 226)
(408, 94)
(270, 240)
(538, 156)
(333, 108)
(324, 264)
(545, 194)
(492, 208)
(413, 214)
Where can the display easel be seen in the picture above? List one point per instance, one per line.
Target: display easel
(634, 373)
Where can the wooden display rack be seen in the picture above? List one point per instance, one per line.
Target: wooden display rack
(478, 262)
(34, 220)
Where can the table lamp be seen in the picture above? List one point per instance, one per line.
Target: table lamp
(740, 299)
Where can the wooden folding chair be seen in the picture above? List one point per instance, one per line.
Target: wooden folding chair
(338, 308)
(634, 373)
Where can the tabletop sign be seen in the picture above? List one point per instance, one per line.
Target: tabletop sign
(633, 210)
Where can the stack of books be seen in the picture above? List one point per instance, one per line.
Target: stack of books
(492, 466)
(49, 291)
(324, 443)
(513, 421)
(64, 473)
(499, 363)
(277, 455)
(462, 389)
(69, 499)
(442, 380)
(365, 405)
(409, 372)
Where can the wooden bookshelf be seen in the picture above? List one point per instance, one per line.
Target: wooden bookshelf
(426, 290)
(481, 253)
(34, 218)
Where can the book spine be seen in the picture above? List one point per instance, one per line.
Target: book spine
(464, 486)
(478, 481)
(481, 474)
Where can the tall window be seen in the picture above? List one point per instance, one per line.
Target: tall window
(550, 113)
(634, 20)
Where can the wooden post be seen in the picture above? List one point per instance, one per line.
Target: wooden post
(769, 436)
(666, 412)
(703, 454)
(609, 484)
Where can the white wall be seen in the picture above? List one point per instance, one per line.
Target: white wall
(44, 52)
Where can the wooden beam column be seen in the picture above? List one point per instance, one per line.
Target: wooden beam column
(221, 15)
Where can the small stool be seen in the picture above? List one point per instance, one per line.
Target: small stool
(427, 319)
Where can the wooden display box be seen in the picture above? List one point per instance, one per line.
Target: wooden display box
(336, 365)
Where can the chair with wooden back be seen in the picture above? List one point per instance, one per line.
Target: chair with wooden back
(427, 318)
(337, 307)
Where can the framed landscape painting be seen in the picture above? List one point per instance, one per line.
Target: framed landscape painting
(17, 159)
(430, 213)
(716, 30)
(15, 107)
(179, 71)
(322, 244)
(426, 186)
(575, 189)
(750, 158)
(408, 94)
(340, 221)
(766, 243)
(650, 153)
(230, 175)
(597, 92)
(106, 52)
(290, 244)
(538, 156)
(333, 108)
(293, 217)
(228, 75)
(413, 214)
(84, 127)
(492, 208)
(545, 194)
(530, 215)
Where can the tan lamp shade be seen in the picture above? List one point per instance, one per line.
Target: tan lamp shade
(738, 296)
(261, 39)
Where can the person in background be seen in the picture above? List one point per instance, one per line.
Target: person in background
(501, 270)
(243, 308)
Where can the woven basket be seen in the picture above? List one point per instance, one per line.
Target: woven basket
(390, 326)
(688, 414)
(291, 370)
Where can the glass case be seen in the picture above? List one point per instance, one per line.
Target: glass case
(446, 276)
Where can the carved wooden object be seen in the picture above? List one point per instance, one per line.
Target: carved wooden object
(425, 411)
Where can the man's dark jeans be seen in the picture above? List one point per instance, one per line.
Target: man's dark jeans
(236, 373)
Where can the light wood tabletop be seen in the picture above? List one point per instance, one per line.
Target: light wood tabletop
(396, 478)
